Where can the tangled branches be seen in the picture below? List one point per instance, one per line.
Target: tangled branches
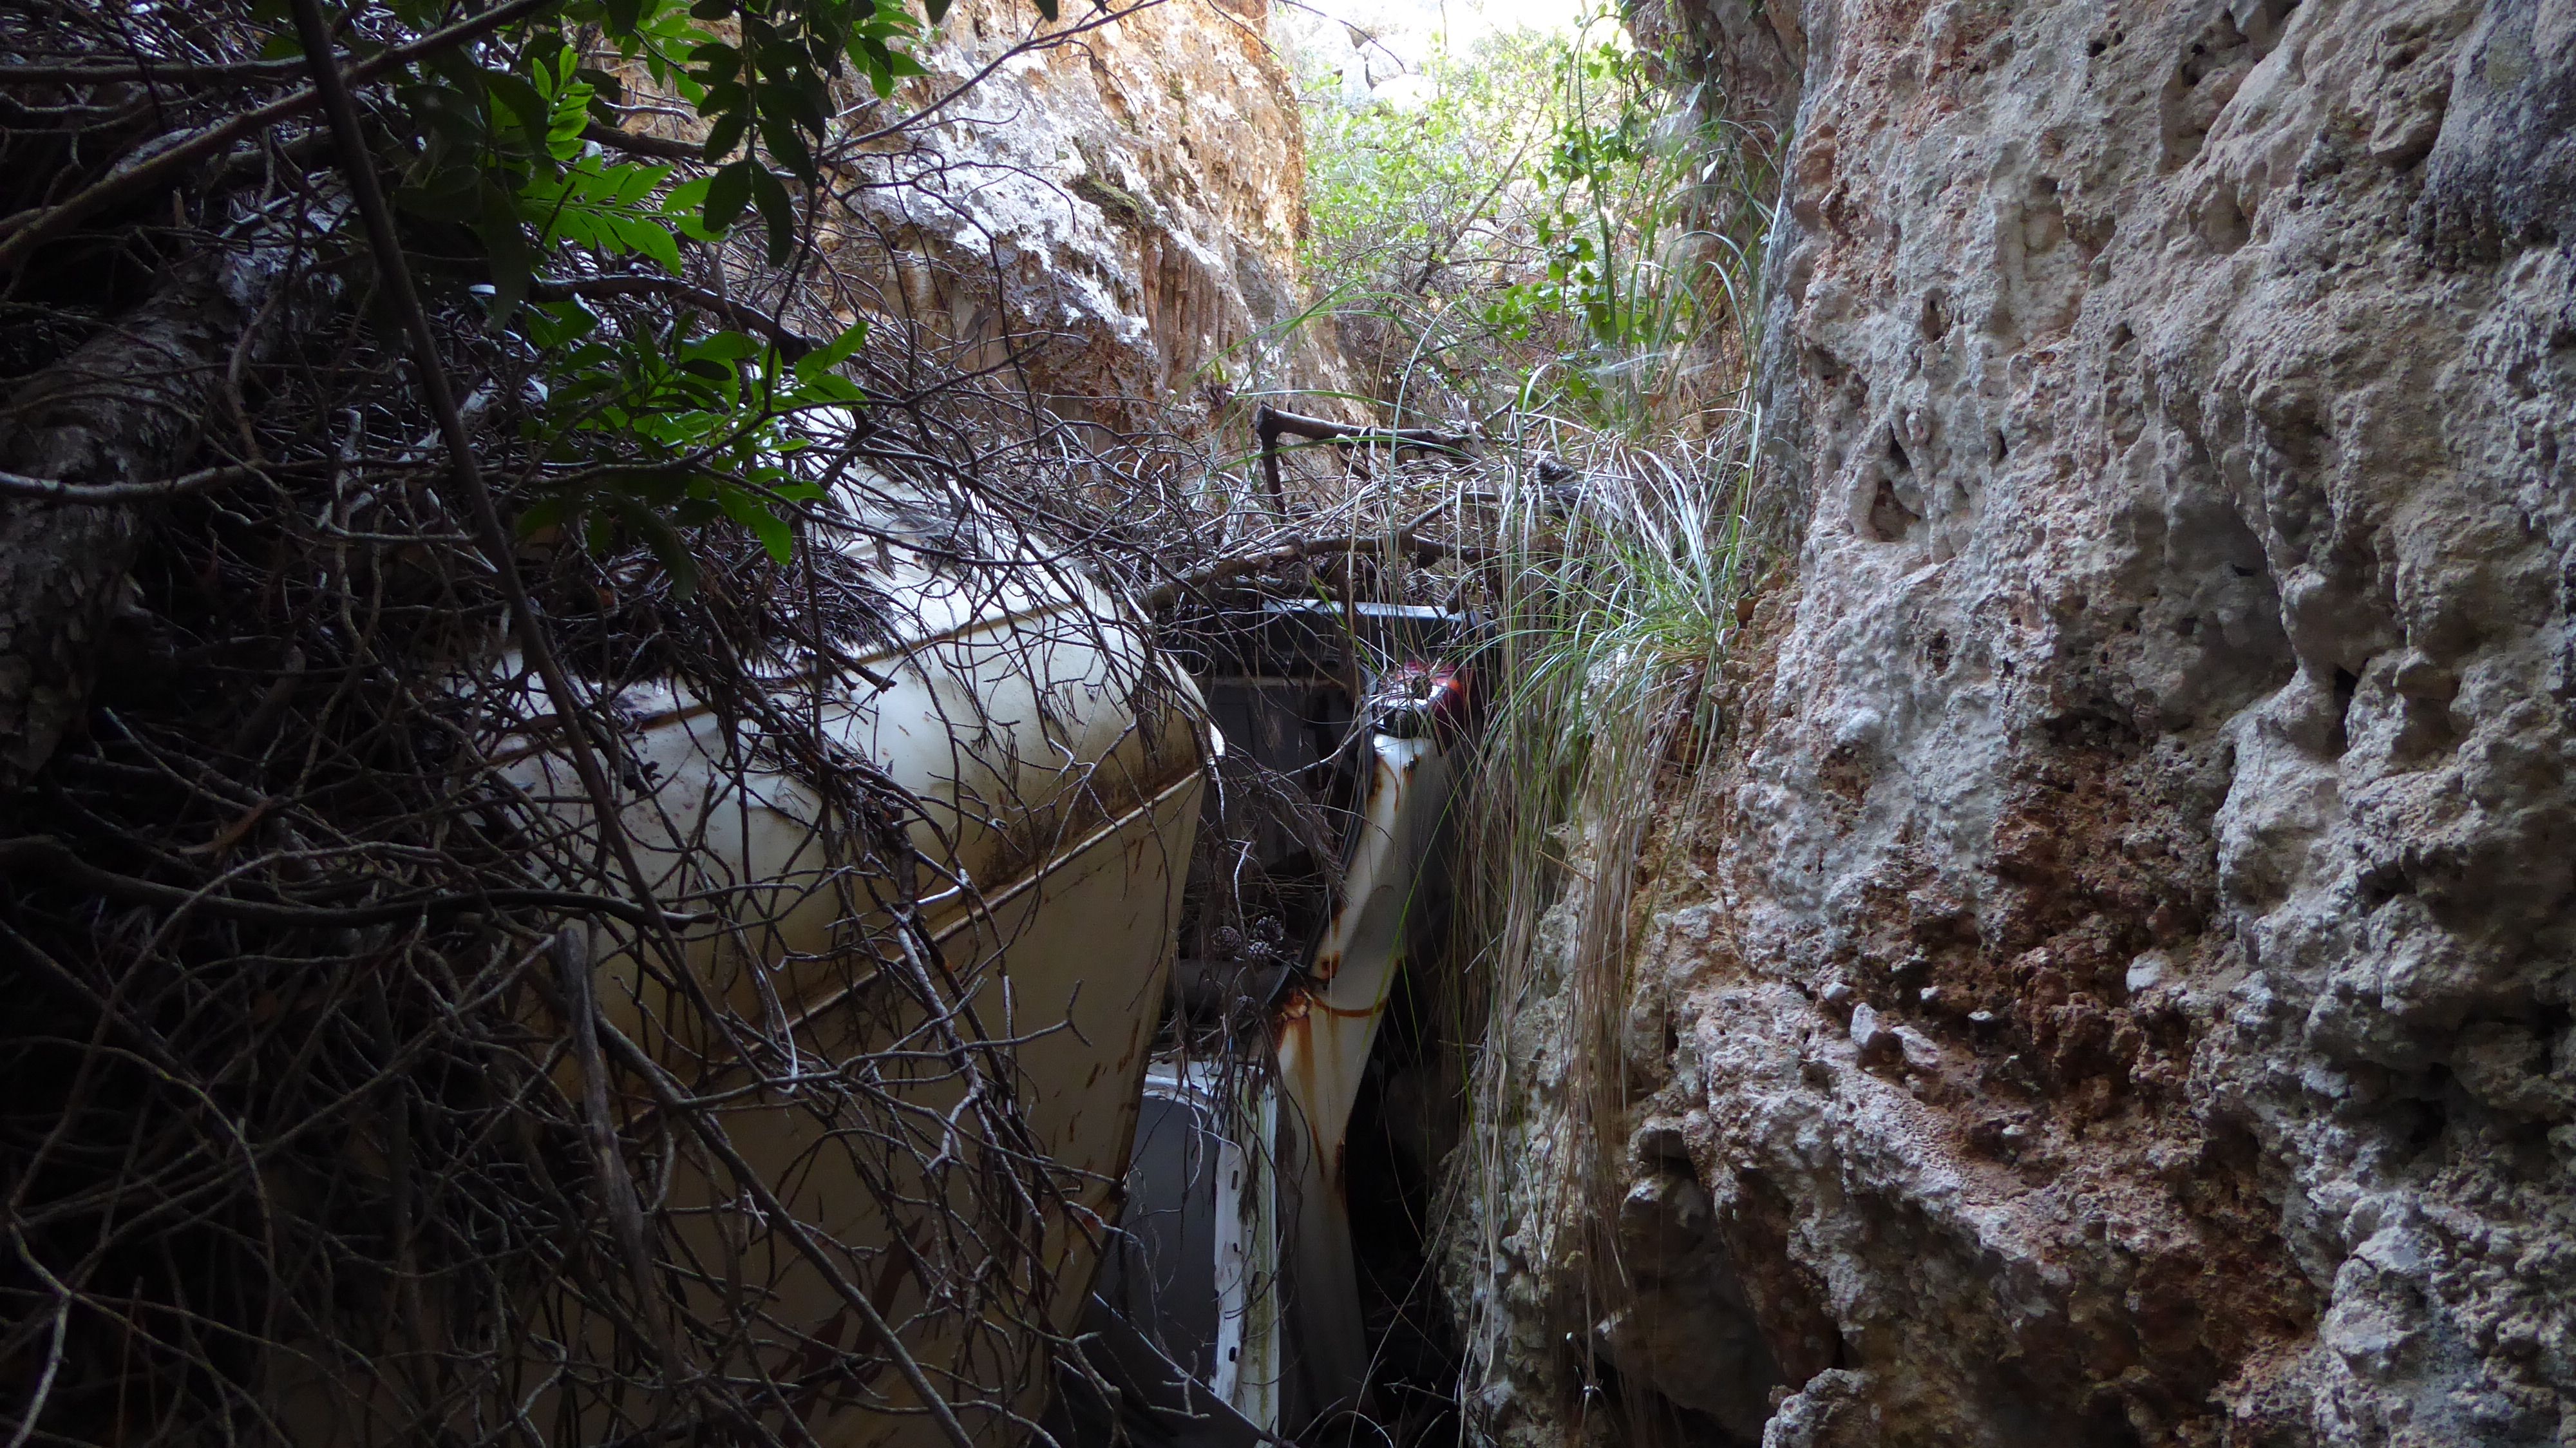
(376, 1073)
(354, 1090)
(312, 1129)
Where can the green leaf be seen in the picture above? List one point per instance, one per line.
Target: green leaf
(686, 206)
(451, 194)
(571, 118)
(778, 209)
(872, 53)
(726, 97)
(787, 143)
(580, 228)
(807, 100)
(723, 347)
(716, 63)
(662, 488)
(831, 388)
(937, 10)
(669, 548)
(724, 135)
(457, 70)
(821, 361)
(633, 183)
(531, 108)
(773, 531)
(728, 191)
(505, 245)
(558, 324)
(449, 115)
(1046, 10)
(636, 234)
(542, 514)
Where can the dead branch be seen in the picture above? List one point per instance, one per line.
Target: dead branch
(1269, 424)
(790, 343)
(1420, 548)
(39, 852)
(100, 495)
(29, 229)
(657, 148)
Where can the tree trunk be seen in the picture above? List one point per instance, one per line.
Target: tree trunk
(129, 405)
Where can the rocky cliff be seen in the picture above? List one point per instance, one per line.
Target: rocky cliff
(1115, 200)
(2120, 990)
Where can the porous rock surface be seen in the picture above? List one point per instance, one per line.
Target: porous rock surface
(2122, 991)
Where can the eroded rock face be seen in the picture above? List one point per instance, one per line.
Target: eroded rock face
(2125, 993)
(1119, 210)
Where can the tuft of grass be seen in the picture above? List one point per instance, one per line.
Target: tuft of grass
(1617, 600)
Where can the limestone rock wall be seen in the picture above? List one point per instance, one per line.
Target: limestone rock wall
(2122, 991)
(1119, 209)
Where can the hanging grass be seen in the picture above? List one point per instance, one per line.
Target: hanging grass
(1564, 253)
